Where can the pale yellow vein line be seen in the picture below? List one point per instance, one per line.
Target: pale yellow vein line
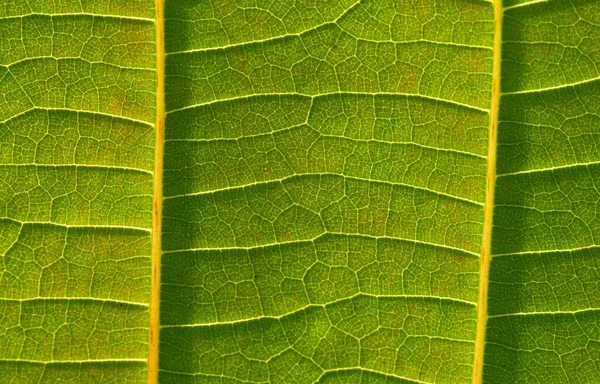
(550, 169)
(548, 313)
(314, 174)
(75, 298)
(546, 251)
(318, 380)
(158, 195)
(326, 233)
(75, 226)
(92, 361)
(371, 140)
(525, 4)
(281, 37)
(269, 39)
(329, 304)
(78, 165)
(374, 371)
(334, 93)
(484, 263)
(108, 115)
(561, 86)
(77, 14)
(34, 58)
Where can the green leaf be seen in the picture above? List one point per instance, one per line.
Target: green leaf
(77, 96)
(338, 191)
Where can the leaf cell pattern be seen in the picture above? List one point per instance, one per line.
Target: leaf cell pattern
(544, 301)
(324, 184)
(77, 91)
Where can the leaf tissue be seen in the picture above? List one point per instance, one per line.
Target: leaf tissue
(308, 191)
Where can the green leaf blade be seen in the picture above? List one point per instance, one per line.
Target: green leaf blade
(76, 144)
(543, 301)
(324, 209)
(293, 169)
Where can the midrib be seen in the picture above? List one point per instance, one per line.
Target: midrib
(485, 258)
(158, 194)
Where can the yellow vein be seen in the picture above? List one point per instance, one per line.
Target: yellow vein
(77, 14)
(76, 298)
(29, 59)
(281, 37)
(326, 233)
(325, 174)
(75, 226)
(158, 194)
(91, 361)
(33, 109)
(89, 166)
(269, 39)
(373, 371)
(548, 313)
(484, 263)
(525, 4)
(547, 251)
(341, 93)
(329, 304)
(371, 140)
(555, 87)
(550, 169)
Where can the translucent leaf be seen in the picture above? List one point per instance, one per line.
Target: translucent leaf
(322, 191)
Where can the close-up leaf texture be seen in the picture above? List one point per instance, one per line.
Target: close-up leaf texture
(300, 191)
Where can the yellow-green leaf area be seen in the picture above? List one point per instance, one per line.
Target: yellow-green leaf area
(274, 191)
(543, 321)
(324, 182)
(77, 90)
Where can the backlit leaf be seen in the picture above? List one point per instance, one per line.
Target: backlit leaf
(333, 191)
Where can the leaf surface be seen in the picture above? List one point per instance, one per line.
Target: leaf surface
(324, 173)
(77, 91)
(544, 302)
